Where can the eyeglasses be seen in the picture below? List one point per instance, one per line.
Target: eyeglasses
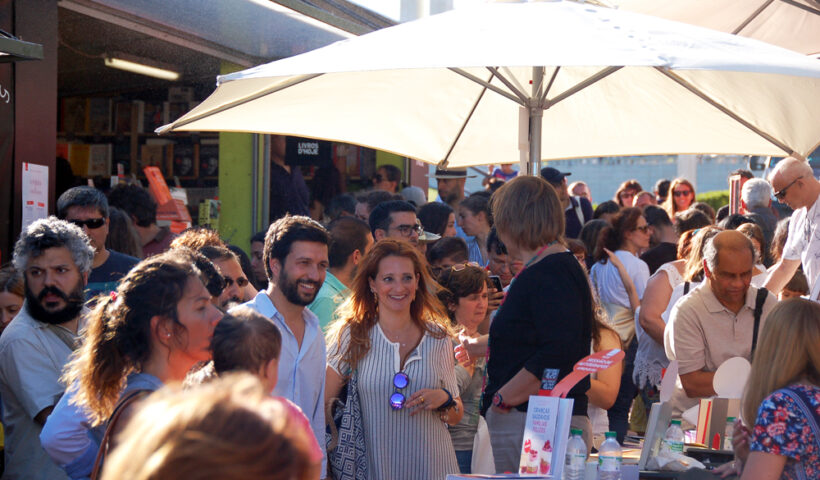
(626, 194)
(377, 178)
(407, 230)
(682, 193)
(782, 193)
(91, 223)
(241, 282)
(644, 228)
(400, 382)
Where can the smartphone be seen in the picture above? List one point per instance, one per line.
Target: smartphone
(496, 281)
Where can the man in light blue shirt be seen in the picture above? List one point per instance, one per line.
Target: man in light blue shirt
(351, 241)
(296, 262)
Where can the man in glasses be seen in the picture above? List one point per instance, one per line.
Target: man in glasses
(794, 184)
(87, 208)
(395, 219)
(228, 266)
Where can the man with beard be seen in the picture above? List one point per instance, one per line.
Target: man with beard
(55, 258)
(229, 268)
(351, 239)
(450, 184)
(296, 262)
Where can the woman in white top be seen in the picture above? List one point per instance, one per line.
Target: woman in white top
(628, 235)
(395, 336)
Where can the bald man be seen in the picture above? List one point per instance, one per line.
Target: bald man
(794, 184)
(717, 320)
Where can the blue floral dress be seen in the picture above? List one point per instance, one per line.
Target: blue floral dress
(788, 427)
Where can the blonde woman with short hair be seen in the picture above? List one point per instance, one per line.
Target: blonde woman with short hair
(545, 321)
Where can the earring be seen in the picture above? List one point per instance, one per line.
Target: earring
(375, 297)
(167, 335)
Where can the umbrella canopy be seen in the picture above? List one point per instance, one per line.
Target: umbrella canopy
(792, 24)
(553, 80)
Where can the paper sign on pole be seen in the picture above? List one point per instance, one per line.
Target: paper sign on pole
(35, 193)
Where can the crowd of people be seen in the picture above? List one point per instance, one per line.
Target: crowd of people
(388, 337)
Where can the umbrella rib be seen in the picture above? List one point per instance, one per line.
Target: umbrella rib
(752, 16)
(508, 84)
(543, 96)
(244, 100)
(443, 163)
(487, 84)
(680, 81)
(580, 86)
(807, 8)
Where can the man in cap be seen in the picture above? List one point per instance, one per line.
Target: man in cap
(55, 258)
(450, 184)
(577, 210)
(794, 184)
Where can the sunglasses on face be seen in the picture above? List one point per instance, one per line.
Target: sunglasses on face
(400, 382)
(626, 195)
(644, 228)
(91, 223)
(682, 193)
(782, 193)
(377, 178)
(241, 282)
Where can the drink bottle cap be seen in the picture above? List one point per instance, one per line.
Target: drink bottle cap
(610, 435)
(730, 419)
(676, 422)
(576, 431)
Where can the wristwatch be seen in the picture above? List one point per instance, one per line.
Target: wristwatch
(498, 402)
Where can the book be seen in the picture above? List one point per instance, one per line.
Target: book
(182, 164)
(209, 157)
(73, 115)
(122, 117)
(99, 160)
(99, 115)
(539, 435)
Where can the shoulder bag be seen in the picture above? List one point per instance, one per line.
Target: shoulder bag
(346, 449)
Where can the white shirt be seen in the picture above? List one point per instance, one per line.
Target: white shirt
(301, 370)
(32, 358)
(803, 242)
(608, 281)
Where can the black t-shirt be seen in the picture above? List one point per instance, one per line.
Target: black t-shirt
(545, 322)
(105, 278)
(665, 252)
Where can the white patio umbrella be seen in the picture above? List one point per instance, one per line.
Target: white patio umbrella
(792, 24)
(554, 80)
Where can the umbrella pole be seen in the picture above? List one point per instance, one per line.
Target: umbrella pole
(536, 115)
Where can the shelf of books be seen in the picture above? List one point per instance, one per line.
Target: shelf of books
(96, 134)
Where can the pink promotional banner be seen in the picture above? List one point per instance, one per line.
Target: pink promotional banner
(593, 363)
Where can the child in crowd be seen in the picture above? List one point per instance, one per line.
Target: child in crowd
(797, 287)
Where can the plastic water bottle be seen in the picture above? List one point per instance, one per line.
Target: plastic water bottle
(576, 458)
(729, 433)
(609, 458)
(673, 438)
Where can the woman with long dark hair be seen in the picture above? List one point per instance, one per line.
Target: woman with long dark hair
(627, 237)
(151, 331)
(394, 336)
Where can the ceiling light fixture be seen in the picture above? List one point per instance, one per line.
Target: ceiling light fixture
(141, 66)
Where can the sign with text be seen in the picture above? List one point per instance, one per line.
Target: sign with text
(308, 151)
(545, 436)
(35, 193)
(593, 363)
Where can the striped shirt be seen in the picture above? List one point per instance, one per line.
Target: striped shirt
(400, 446)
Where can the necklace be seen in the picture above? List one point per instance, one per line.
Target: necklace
(395, 337)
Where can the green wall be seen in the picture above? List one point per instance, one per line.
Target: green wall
(235, 183)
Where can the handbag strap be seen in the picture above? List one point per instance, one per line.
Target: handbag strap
(124, 402)
(762, 293)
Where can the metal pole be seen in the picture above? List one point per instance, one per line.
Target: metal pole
(255, 183)
(265, 182)
(536, 115)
